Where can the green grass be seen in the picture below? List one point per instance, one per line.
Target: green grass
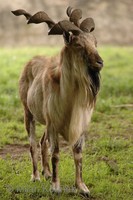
(108, 154)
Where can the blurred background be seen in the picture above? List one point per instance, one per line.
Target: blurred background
(113, 19)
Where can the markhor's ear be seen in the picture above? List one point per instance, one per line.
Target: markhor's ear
(67, 37)
(22, 12)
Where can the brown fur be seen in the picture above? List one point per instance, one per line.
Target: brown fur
(61, 94)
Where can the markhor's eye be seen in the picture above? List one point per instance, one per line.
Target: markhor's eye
(78, 45)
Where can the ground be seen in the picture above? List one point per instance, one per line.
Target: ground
(107, 156)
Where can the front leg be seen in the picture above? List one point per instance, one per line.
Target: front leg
(55, 177)
(55, 161)
(77, 152)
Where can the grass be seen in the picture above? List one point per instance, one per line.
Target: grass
(108, 163)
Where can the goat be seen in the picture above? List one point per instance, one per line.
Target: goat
(61, 93)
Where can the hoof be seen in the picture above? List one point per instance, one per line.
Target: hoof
(56, 191)
(56, 188)
(86, 195)
(47, 175)
(35, 177)
(83, 190)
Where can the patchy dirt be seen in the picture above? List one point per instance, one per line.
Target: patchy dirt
(14, 150)
(17, 150)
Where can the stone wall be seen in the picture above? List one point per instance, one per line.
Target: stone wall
(113, 19)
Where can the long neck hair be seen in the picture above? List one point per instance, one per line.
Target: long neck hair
(79, 78)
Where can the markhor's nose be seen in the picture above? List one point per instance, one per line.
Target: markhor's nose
(99, 63)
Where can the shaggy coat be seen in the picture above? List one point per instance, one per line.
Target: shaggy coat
(61, 93)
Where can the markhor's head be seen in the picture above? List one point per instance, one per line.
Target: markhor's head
(77, 36)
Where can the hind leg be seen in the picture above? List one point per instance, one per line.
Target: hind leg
(30, 127)
(45, 156)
